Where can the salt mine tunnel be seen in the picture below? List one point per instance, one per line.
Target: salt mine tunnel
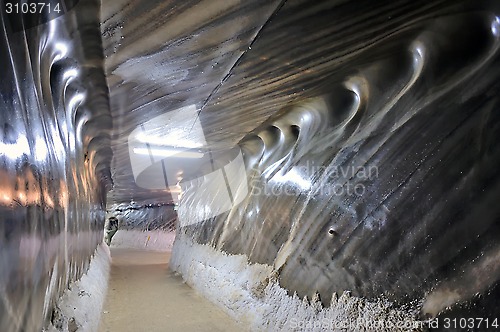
(301, 165)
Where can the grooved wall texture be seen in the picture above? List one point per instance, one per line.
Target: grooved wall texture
(369, 133)
(54, 160)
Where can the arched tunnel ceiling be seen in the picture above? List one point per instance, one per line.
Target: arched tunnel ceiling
(237, 62)
(241, 62)
(164, 55)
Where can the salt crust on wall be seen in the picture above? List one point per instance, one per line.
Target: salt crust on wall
(80, 307)
(251, 295)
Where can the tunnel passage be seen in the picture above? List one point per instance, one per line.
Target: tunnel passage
(339, 158)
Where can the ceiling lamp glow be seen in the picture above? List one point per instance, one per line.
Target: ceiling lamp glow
(173, 138)
(164, 152)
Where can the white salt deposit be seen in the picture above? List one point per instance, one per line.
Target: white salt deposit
(251, 294)
(80, 307)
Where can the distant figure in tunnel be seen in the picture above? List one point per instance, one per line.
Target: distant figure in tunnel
(110, 229)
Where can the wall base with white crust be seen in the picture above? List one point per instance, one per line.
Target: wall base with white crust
(251, 294)
(80, 307)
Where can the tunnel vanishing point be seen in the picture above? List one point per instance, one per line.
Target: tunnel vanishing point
(321, 162)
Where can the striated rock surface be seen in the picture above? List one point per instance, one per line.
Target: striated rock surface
(54, 160)
(379, 176)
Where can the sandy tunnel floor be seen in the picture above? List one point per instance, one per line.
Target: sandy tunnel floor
(144, 295)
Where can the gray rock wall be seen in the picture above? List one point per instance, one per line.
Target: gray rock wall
(54, 159)
(385, 184)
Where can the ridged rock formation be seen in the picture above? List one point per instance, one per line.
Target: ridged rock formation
(335, 147)
(54, 160)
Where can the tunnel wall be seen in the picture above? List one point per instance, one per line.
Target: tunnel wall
(144, 217)
(54, 159)
(384, 187)
(148, 227)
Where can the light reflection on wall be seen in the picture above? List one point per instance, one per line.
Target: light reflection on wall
(15, 150)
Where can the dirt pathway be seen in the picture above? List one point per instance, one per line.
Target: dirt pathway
(145, 296)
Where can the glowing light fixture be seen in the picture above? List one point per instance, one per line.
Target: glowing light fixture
(165, 152)
(176, 138)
